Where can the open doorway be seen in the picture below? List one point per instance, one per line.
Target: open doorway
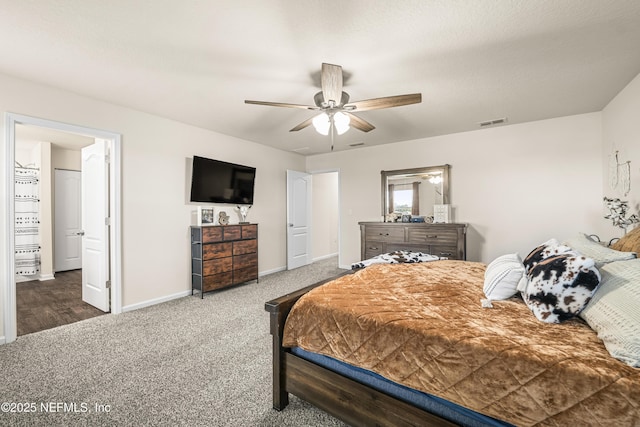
(313, 219)
(325, 206)
(110, 187)
(49, 256)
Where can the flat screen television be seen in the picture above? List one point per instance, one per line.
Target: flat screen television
(215, 181)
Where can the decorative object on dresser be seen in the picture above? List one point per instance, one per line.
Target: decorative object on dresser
(443, 240)
(223, 255)
(205, 216)
(223, 218)
(244, 211)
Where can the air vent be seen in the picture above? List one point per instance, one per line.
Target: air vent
(356, 144)
(493, 122)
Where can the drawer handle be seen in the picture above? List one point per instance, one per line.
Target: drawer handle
(373, 248)
(433, 236)
(383, 234)
(445, 254)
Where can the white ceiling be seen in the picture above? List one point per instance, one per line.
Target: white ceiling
(196, 61)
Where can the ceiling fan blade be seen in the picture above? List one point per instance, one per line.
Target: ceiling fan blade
(386, 102)
(331, 82)
(281, 104)
(302, 125)
(359, 123)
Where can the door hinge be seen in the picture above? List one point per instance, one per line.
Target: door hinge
(107, 158)
(107, 221)
(108, 284)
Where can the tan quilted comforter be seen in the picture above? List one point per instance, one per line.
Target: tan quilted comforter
(422, 325)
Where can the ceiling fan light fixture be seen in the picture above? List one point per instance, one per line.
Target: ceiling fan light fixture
(341, 121)
(322, 124)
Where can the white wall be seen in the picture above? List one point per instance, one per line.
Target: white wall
(62, 158)
(515, 186)
(155, 214)
(621, 132)
(325, 215)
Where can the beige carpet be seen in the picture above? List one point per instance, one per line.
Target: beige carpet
(185, 362)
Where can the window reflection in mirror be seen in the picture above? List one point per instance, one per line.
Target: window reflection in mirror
(414, 191)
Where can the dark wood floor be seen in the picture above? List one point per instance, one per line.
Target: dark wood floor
(51, 303)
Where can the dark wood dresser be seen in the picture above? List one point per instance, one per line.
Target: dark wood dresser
(223, 255)
(445, 240)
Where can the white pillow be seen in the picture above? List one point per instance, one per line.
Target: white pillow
(601, 254)
(502, 277)
(614, 310)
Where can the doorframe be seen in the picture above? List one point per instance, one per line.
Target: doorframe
(339, 195)
(115, 203)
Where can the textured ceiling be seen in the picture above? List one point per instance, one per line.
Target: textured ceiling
(197, 61)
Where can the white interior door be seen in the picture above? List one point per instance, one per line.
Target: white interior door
(95, 242)
(298, 219)
(68, 220)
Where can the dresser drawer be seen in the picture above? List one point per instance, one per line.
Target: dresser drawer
(217, 281)
(450, 252)
(245, 247)
(245, 274)
(373, 248)
(244, 261)
(216, 250)
(438, 236)
(249, 231)
(216, 266)
(385, 234)
(232, 232)
(211, 234)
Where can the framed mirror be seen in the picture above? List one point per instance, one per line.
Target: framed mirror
(414, 191)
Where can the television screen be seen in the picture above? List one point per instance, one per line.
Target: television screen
(214, 181)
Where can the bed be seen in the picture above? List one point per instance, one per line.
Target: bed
(412, 344)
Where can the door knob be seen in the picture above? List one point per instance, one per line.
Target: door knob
(290, 224)
(80, 233)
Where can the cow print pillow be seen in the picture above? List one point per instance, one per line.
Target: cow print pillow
(560, 286)
(548, 249)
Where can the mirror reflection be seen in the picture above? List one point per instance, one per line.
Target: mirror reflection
(413, 192)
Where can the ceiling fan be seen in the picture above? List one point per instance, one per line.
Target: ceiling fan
(336, 112)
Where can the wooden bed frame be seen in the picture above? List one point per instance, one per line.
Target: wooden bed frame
(344, 398)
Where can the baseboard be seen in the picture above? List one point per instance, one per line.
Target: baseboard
(155, 301)
(2, 340)
(45, 277)
(320, 258)
(187, 293)
(275, 270)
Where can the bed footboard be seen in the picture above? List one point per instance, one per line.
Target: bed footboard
(279, 309)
